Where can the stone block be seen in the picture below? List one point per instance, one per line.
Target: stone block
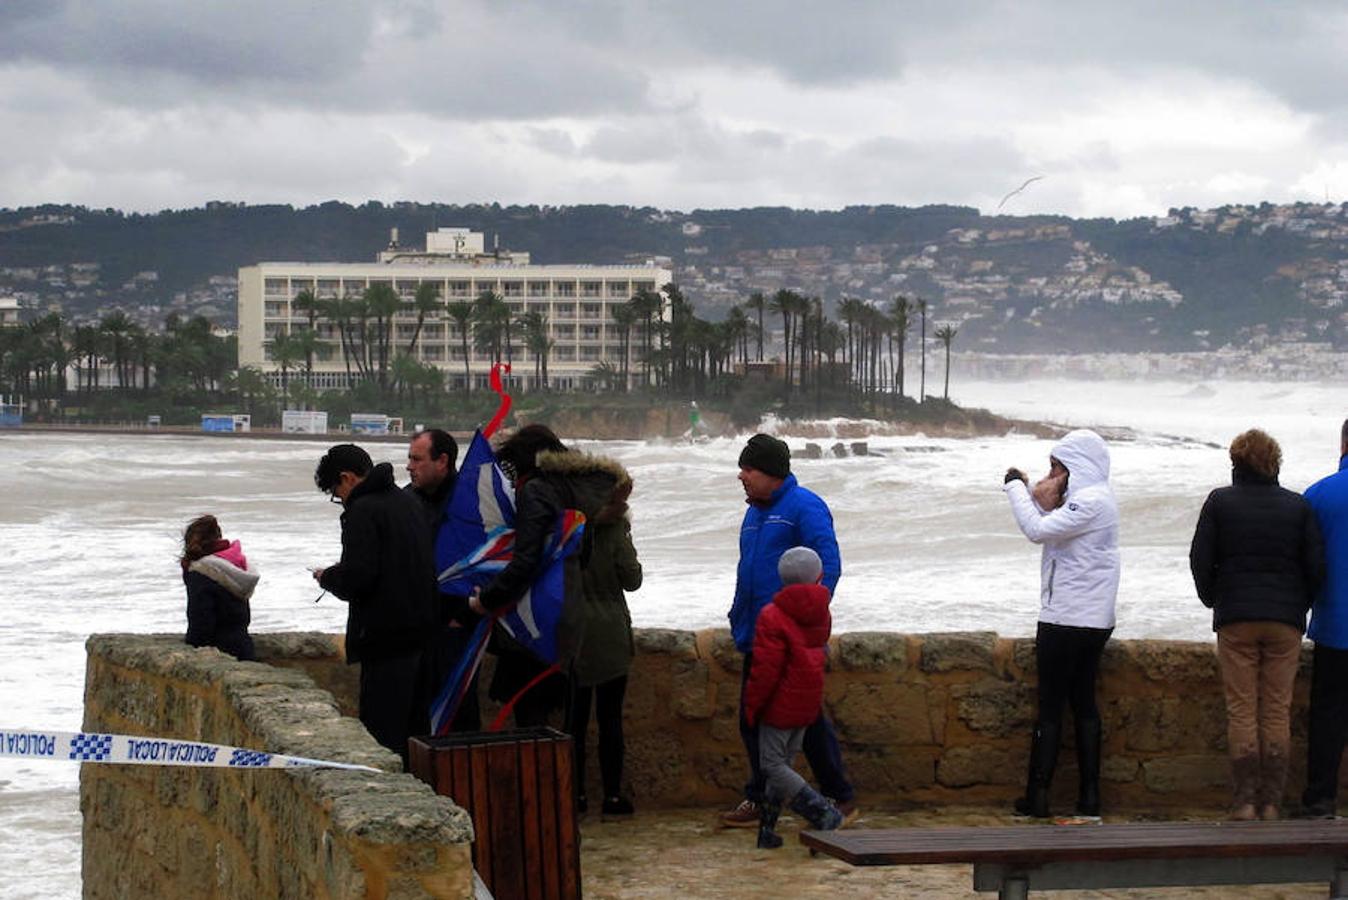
(723, 650)
(958, 651)
(1166, 662)
(995, 708)
(692, 695)
(1122, 769)
(985, 764)
(1152, 724)
(883, 714)
(871, 651)
(665, 641)
(1182, 774)
(1023, 656)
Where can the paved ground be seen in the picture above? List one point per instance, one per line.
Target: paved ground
(683, 854)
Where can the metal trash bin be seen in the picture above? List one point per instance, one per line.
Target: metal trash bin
(517, 787)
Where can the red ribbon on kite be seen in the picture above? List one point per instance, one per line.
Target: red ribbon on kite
(499, 388)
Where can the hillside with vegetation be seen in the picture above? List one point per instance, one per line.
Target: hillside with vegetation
(1194, 279)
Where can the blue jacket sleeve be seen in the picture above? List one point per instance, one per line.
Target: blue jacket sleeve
(816, 532)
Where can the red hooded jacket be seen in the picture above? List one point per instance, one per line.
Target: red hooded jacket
(786, 677)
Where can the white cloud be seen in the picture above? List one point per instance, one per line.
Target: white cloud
(1126, 111)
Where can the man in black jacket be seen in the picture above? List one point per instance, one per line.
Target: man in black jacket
(387, 577)
(431, 456)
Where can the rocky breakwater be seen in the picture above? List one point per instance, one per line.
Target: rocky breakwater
(171, 831)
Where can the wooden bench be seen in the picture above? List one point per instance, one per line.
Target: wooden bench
(1017, 859)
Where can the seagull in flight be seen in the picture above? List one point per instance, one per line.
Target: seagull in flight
(1028, 182)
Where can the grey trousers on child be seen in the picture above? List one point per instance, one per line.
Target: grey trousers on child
(777, 749)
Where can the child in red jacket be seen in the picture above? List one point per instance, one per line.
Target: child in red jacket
(786, 689)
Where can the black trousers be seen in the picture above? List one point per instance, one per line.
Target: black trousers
(393, 700)
(820, 748)
(1328, 721)
(607, 699)
(1068, 658)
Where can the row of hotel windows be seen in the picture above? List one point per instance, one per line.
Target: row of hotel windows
(329, 381)
(277, 309)
(432, 333)
(463, 289)
(432, 354)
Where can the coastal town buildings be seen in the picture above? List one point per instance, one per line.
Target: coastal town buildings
(9, 311)
(578, 302)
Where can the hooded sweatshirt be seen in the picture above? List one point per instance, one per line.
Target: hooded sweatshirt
(1079, 567)
(786, 679)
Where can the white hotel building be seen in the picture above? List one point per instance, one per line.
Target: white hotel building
(577, 300)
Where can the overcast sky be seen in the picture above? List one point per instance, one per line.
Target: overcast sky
(1124, 108)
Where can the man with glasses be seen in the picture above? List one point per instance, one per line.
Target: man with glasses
(387, 577)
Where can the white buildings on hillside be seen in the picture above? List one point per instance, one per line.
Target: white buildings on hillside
(9, 311)
(577, 300)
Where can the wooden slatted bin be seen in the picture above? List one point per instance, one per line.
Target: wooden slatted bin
(517, 786)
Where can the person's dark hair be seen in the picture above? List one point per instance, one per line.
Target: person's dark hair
(341, 458)
(519, 452)
(1343, 433)
(201, 538)
(1258, 452)
(442, 444)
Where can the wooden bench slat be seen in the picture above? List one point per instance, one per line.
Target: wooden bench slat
(1024, 844)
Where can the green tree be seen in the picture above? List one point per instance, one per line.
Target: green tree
(758, 303)
(461, 312)
(945, 334)
(901, 316)
(426, 303)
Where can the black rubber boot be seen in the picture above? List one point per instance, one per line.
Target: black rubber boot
(817, 810)
(1088, 764)
(768, 839)
(1043, 760)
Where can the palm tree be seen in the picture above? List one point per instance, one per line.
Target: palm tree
(758, 303)
(461, 311)
(488, 323)
(624, 318)
(284, 352)
(307, 302)
(783, 302)
(384, 304)
(901, 316)
(535, 326)
(426, 302)
(945, 334)
(922, 391)
(116, 325)
(738, 326)
(646, 305)
(306, 344)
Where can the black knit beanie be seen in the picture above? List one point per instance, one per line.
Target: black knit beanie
(768, 455)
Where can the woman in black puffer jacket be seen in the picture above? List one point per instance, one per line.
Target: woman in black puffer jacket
(1257, 560)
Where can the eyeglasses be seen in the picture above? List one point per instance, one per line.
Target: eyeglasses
(333, 498)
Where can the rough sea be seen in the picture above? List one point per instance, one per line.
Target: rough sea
(90, 525)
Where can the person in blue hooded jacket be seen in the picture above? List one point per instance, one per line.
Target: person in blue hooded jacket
(1328, 718)
(781, 515)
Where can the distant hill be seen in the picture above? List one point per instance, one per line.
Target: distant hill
(1243, 275)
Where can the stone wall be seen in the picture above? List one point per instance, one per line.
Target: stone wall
(925, 719)
(152, 831)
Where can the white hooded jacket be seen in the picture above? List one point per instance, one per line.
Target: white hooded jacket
(1079, 570)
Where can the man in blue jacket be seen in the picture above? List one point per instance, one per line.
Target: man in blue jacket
(781, 515)
(1329, 630)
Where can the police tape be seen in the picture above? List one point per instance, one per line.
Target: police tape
(126, 749)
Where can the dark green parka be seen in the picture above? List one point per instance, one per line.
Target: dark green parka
(613, 568)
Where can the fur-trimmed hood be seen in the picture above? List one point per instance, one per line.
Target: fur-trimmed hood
(602, 485)
(239, 582)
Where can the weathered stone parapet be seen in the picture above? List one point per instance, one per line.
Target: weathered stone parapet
(166, 831)
(923, 719)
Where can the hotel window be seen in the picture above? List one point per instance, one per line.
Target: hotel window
(480, 286)
(565, 310)
(564, 332)
(539, 289)
(643, 286)
(353, 286)
(328, 287)
(589, 354)
(591, 311)
(275, 308)
(512, 289)
(618, 289)
(276, 287)
(564, 289)
(589, 332)
(459, 289)
(300, 284)
(590, 288)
